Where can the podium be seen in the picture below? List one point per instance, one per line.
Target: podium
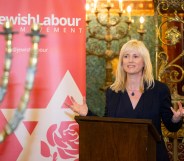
(116, 139)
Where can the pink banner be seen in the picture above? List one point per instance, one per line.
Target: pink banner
(48, 130)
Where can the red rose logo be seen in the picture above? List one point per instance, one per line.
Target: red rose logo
(62, 142)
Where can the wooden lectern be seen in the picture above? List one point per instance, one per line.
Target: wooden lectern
(116, 139)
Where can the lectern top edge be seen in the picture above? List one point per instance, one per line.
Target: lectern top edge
(112, 119)
(147, 122)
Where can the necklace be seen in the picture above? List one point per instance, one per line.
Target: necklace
(132, 91)
(132, 94)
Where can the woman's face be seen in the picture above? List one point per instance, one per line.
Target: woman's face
(132, 63)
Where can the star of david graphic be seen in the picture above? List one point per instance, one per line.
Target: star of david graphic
(42, 119)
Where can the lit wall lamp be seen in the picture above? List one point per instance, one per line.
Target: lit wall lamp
(129, 21)
(87, 7)
(121, 5)
(141, 30)
(129, 9)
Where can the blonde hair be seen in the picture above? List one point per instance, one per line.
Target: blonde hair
(147, 74)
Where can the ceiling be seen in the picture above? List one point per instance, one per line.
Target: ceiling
(139, 7)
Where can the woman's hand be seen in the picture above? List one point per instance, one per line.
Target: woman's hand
(178, 114)
(82, 109)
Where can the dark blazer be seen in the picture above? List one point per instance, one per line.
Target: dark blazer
(154, 104)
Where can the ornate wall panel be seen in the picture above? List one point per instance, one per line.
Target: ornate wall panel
(170, 62)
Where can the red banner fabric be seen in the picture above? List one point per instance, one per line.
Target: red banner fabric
(48, 130)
